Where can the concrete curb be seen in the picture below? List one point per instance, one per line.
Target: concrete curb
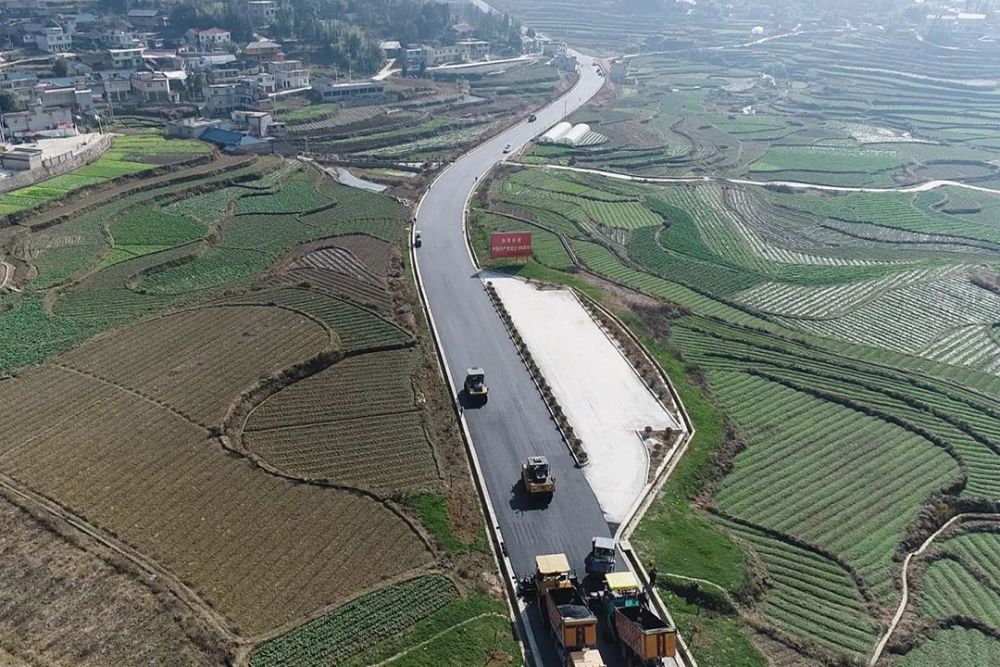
(511, 330)
(504, 566)
(666, 468)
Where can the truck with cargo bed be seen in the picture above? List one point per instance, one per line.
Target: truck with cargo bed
(643, 638)
(564, 608)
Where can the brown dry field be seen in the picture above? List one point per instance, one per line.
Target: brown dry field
(105, 615)
(196, 362)
(261, 549)
(346, 423)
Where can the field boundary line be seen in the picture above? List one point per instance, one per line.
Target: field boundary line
(904, 600)
(184, 593)
(129, 390)
(437, 635)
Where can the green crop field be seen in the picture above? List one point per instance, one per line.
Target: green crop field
(848, 352)
(956, 646)
(127, 155)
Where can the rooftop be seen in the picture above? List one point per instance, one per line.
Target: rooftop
(228, 138)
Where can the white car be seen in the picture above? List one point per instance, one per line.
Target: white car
(506, 149)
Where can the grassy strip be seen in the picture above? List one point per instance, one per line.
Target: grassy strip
(432, 509)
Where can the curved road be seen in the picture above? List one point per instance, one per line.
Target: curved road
(515, 422)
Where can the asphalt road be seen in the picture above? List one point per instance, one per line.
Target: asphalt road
(514, 423)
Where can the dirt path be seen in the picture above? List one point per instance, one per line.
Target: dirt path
(905, 599)
(185, 594)
(410, 649)
(798, 185)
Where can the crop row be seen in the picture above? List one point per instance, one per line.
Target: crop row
(357, 328)
(363, 385)
(954, 646)
(348, 630)
(828, 302)
(198, 361)
(808, 452)
(296, 194)
(337, 260)
(939, 306)
(948, 589)
(388, 452)
(262, 550)
(811, 596)
(979, 549)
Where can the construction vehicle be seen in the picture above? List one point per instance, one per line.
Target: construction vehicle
(601, 558)
(536, 476)
(475, 384)
(643, 638)
(565, 610)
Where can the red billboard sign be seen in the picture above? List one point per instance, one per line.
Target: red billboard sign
(510, 244)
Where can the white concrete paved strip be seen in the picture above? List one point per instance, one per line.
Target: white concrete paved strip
(599, 391)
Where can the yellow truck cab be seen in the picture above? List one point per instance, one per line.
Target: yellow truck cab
(643, 638)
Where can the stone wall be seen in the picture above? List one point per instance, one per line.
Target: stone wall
(57, 164)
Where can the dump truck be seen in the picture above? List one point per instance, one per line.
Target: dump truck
(601, 558)
(644, 639)
(565, 610)
(475, 384)
(537, 476)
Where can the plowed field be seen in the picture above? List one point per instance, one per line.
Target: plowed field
(354, 423)
(198, 361)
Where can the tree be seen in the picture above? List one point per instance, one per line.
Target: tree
(9, 101)
(60, 67)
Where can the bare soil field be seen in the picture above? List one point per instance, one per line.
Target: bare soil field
(49, 578)
(346, 423)
(122, 458)
(196, 362)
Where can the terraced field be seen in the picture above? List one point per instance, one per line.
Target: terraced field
(959, 646)
(847, 357)
(354, 423)
(157, 322)
(128, 155)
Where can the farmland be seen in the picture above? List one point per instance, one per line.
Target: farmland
(127, 155)
(170, 367)
(433, 119)
(862, 341)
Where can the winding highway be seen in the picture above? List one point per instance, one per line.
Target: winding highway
(515, 422)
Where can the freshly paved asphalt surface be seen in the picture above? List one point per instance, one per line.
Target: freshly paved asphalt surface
(514, 423)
